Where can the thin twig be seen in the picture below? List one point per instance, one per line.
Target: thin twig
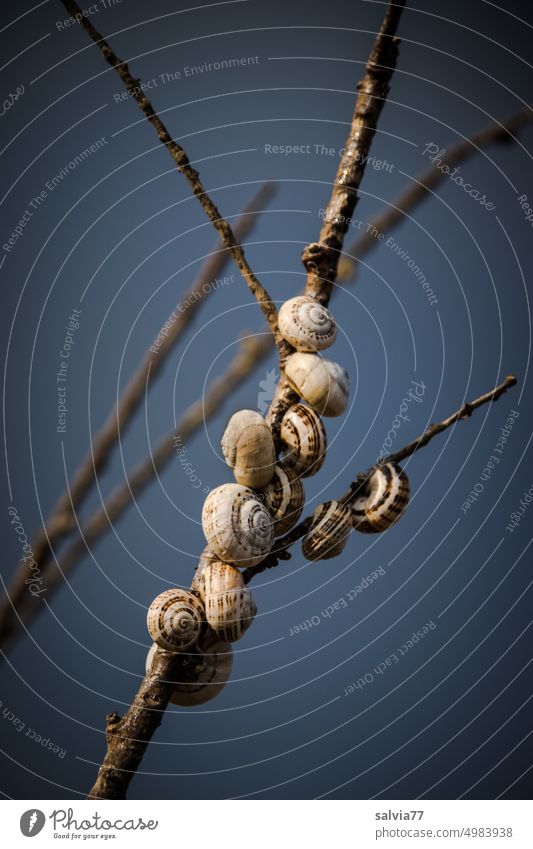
(280, 550)
(321, 258)
(63, 517)
(128, 737)
(252, 351)
(421, 186)
(183, 164)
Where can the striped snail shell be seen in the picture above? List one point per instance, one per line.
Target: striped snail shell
(238, 527)
(202, 674)
(284, 498)
(330, 528)
(325, 385)
(248, 447)
(306, 324)
(304, 438)
(229, 606)
(385, 500)
(175, 620)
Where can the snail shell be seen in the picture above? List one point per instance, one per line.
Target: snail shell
(331, 526)
(229, 606)
(238, 527)
(385, 500)
(306, 324)
(175, 620)
(323, 384)
(203, 674)
(248, 447)
(305, 440)
(284, 498)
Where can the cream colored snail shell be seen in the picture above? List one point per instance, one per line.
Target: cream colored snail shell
(175, 620)
(325, 385)
(203, 673)
(385, 500)
(248, 447)
(304, 439)
(229, 607)
(284, 498)
(331, 526)
(238, 527)
(306, 324)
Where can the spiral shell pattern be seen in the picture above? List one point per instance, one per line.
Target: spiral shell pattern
(305, 440)
(175, 620)
(203, 674)
(329, 532)
(248, 447)
(325, 385)
(306, 324)
(238, 527)
(230, 613)
(386, 499)
(284, 498)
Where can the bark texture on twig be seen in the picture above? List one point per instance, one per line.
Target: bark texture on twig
(321, 259)
(252, 351)
(183, 164)
(419, 188)
(63, 518)
(128, 738)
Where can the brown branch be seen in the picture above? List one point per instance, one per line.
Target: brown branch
(419, 188)
(321, 258)
(280, 552)
(128, 738)
(252, 351)
(183, 164)
(62, 520)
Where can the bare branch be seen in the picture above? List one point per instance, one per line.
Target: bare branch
(252, 351)
(62, 520)
(418, 189)
(321, 258)
(183, 164)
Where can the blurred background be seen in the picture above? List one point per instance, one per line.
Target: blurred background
(119, 238)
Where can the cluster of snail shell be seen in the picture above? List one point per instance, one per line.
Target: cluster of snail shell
(241, 520)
